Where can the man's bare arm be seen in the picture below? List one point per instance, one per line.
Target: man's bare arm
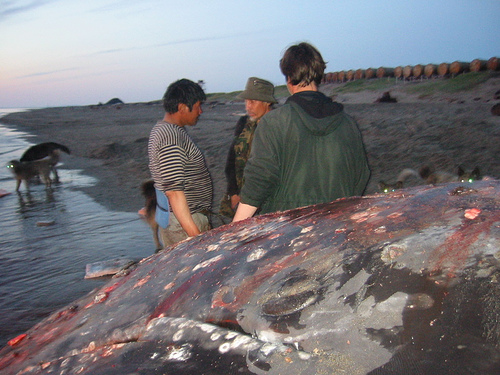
(244, 211)
(178, 202)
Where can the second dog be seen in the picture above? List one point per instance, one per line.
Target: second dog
(149, 211)
(25, 171)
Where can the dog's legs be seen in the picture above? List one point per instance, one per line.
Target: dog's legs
(155, 228)
(56, 176)
(46, 179)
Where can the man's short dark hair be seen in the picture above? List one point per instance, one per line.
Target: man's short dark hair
(302, 64)
(182, 91)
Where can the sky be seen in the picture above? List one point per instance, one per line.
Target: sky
(81, 52)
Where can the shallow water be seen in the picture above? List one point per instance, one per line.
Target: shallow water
(43, 267)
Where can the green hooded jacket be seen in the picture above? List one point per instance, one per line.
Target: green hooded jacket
(306, 152)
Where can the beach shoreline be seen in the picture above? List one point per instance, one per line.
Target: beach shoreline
(109, 142)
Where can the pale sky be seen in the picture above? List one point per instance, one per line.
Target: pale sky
(80, 52)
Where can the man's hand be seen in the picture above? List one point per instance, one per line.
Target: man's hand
(235, 199)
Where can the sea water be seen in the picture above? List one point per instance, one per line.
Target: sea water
(42, 268)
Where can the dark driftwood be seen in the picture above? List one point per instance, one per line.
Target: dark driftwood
(386, 98)
(495, 110)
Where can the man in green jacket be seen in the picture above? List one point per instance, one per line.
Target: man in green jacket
(306, 152)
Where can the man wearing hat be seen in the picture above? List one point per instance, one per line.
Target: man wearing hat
(259, 99)
(308, 151)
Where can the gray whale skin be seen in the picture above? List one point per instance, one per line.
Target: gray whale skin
(403, 283)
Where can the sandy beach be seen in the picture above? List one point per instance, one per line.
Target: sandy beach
(443, 130)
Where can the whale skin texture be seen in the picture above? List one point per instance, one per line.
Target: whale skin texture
(399, 283)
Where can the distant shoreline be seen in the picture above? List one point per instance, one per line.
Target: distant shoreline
(441, 128)
(354, 90)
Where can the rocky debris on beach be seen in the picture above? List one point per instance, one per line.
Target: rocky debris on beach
(114, 101)
(495, 110)
(386, 98)
(3, 193)
(108, 267)
(45, 223)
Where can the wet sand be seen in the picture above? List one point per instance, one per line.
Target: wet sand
(110, 142)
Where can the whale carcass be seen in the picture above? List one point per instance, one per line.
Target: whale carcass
(403, 283)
